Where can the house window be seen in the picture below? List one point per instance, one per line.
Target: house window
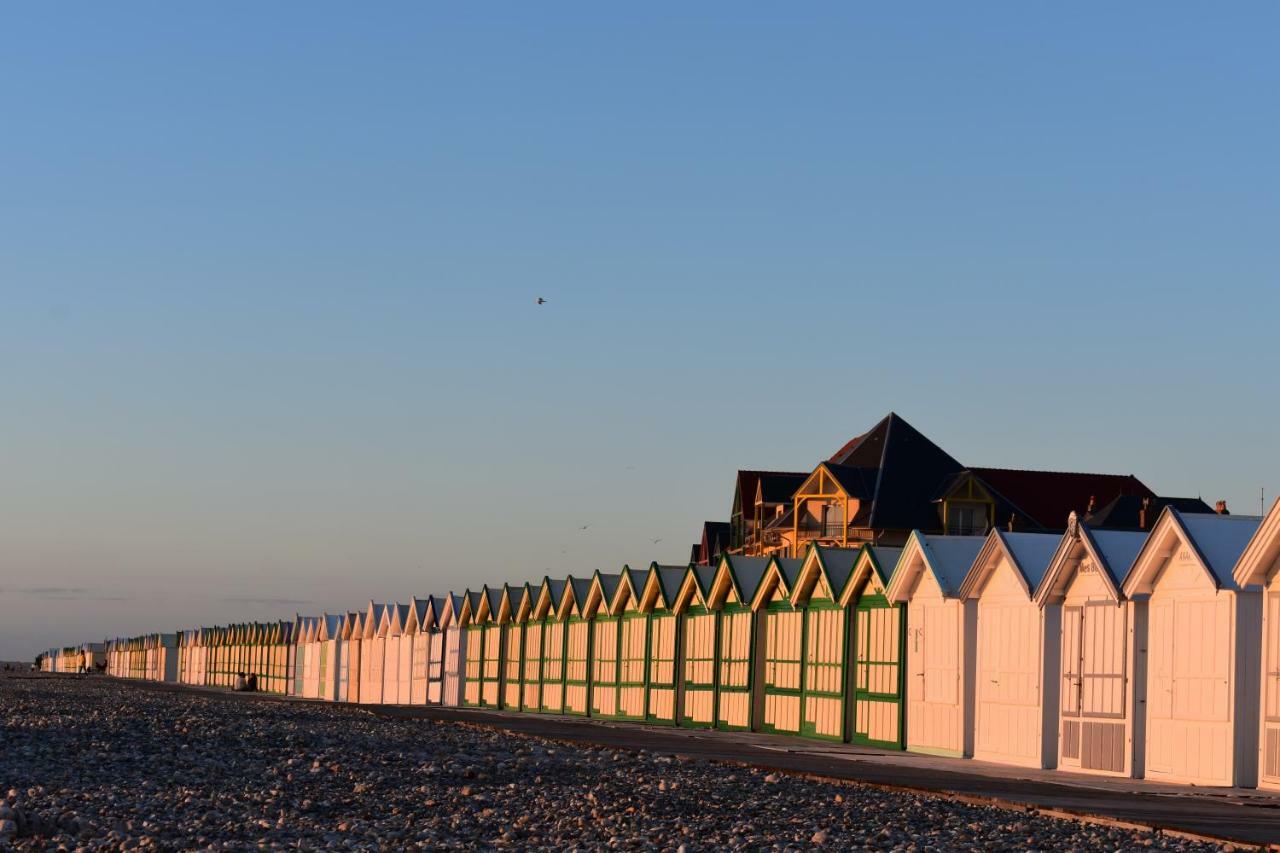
(966, 519)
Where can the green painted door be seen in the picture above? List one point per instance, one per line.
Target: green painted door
(553, 648)
(823, 679)
(879, 642)
(604, 666)
(784, 637)
(737, 649)
(660, 706)
(471, 677)
(698, 708)
(633, 664)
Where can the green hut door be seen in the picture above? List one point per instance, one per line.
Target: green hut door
(784, 635)
(632, 663)
(737, 647)
(879, 641)
(553, 647)
(577, 666)
(825, 645)
(661, 702)
(699, 705)
(604, 666)
(531, 654)
(474, 666)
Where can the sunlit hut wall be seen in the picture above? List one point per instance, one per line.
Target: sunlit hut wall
(660, 592)
(1203, 650)
(733, 589)
(1016, 702)
(604, 644)
(777, 697)
(453, 671)
(1258, 571)
(941, 640)
(489, 616)
(1101, 629)
(696, 707)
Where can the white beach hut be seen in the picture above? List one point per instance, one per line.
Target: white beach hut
(1016, 696)
(941, 640)
(530, 628)
(1258, 571)
(422, 628)
(373, 651)
(349, 658)
(660, 591)
(1100, 693)
(1203, 650)
(512, 647)
(776, 701)
(604, 644)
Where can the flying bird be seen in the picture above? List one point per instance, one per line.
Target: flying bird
(584, 527)
(655, 541)
(540, 301)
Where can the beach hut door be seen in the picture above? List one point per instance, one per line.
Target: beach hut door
(1093, 676)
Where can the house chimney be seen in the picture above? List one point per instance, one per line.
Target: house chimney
(1142, 514)
(1221, 508)
(1013, 516)
(1093, 502)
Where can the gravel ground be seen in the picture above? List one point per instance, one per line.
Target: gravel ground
(93, 764)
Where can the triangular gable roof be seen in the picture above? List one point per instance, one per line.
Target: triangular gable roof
(372, 619)
(1262, 555)
(1028, 553)
(600, 594)
(330, 626)
(875, 566)
(1215, 542)
(522, 604)
(830, 567)
(742, 575)
(422, 615)
(947, 558)
(576, 592)
(547, 599)
(692, 591)
(1112, 551)
(630, 588)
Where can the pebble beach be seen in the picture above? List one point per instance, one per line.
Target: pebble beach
(88, 763)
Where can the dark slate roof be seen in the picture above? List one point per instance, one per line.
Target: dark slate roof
(695, 552)
(901, 470)
(1220, 540)
(556, 588)
(790, 568)
(883, 561)
(609, 585)
(581, 586)
(1124, 512)
(1049, 497)
(747, 572)
(705, 575)
(778, 487)
(495, 600)
(857, 482)
(838, 564)
(669, 579)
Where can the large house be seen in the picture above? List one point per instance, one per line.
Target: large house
(892, 479)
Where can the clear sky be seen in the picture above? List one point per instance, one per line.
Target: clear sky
(268, 339)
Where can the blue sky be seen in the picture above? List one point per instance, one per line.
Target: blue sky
(267, 332)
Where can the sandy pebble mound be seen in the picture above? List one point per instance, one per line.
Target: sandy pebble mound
(92, 764)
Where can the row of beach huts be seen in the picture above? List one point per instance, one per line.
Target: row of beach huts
(1152, 654)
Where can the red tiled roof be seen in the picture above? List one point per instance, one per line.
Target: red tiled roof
(1049, 497)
